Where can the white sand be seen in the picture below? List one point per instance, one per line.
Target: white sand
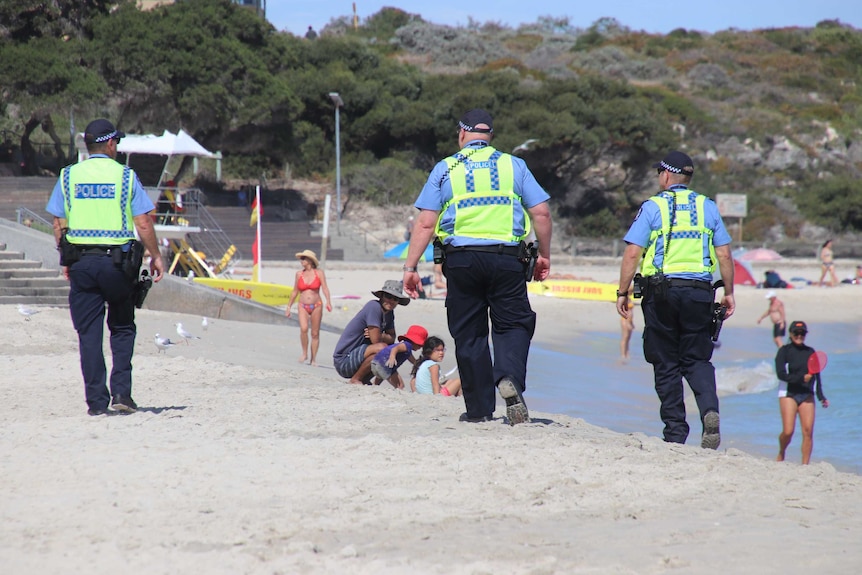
(241, 460)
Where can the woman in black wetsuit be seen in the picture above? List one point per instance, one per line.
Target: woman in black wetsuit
(796, 394)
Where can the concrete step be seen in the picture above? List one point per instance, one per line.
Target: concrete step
(280, 239)
(52, 301)
(25, 282)
(59, 291)
(28, 273)
(25, 192)
(4, 255)
(19, 264)
(15, 186)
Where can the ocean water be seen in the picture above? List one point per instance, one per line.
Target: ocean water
(585, 378)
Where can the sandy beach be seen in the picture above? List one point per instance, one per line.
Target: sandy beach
(242, 460)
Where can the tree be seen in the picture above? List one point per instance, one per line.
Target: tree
(27, 19)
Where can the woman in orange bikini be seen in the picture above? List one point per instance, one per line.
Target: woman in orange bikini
(306, 291)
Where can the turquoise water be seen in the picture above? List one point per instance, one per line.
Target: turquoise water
(589, 382)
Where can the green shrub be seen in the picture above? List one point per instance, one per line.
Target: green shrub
(600, 224)
(834, 202)
(821, 112)
(523, 42)
(391, 181)
(791, 39)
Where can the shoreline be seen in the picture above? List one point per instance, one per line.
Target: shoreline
(813, 304)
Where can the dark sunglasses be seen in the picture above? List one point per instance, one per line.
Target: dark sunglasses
(797, 333)
(658, 171)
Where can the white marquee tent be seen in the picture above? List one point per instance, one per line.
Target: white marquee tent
(168, 144)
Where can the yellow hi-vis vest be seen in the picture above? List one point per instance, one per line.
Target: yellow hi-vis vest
(690, 239)
(483, 193)
(98, 199)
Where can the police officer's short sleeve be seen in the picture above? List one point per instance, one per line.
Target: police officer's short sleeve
(56, 206)
(647, 219)
(141, 202)
(432, 197)
(720, 235)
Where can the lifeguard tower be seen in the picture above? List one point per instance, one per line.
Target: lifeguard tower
(193, 241)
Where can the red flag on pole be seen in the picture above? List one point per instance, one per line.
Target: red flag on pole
(256, 213)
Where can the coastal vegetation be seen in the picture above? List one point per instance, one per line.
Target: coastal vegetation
(775, 114)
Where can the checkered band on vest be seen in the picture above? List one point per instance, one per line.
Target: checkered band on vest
(691, 234)
(690, 206)
(490, 164)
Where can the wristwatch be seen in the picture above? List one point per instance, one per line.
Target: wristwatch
(409, 268)
(622, 293)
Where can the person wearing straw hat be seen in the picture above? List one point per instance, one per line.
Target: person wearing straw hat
(370, 330)
(309, 282)
(775, 311)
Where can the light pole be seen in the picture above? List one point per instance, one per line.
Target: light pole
(336, 99)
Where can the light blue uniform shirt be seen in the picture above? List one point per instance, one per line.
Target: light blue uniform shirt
(438, 190)
(141, 203)
(649, 219)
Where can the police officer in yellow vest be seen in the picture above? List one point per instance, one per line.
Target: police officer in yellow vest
(481, 203)
(97, 206)
(679, 238)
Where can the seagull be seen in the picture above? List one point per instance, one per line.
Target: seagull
(205, 323)
(27, 311)
(184, 334)
(524, 146)
(163, 343)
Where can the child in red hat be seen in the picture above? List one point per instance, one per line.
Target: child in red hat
(385, 364)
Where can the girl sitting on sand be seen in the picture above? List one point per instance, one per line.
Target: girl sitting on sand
(385, 364)
(426, 371)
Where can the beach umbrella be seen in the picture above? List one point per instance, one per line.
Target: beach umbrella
(760, 255)
(400, 252)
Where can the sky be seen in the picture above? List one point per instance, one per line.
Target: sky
(657, 17)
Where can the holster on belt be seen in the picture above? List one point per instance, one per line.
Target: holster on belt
(142, 287)
(69, 252)
(529, 255)
(657, 286)
(131, 260)
(439, 251)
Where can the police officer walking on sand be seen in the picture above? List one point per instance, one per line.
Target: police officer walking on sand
(97, 206)
(481, 203)
(679, 237)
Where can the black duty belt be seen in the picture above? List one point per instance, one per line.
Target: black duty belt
(501, 249)
(96, 250)
(700, 284)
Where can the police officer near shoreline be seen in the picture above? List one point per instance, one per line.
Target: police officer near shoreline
(97, 205)
(481, 204)
(678, 237)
